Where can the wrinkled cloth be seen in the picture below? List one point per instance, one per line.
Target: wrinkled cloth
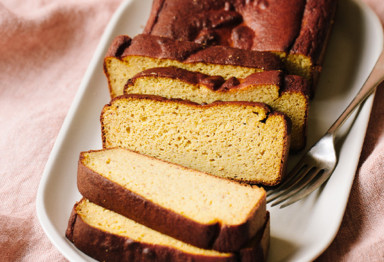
(45, 48)
(361, 234)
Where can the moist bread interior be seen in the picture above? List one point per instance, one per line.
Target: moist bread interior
(293, 100)
(236, 140)
(198, 196)
(114, 223)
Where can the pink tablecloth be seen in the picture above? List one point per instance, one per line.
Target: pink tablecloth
(45, 47)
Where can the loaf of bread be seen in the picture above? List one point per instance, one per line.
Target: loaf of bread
(108, 236)
(244, 141)
(288, 94)
(127, 57)
(296, 29)
(194, 207)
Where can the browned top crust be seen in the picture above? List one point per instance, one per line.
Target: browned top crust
(295, 83)
(190, 52)
(291, 83)
(119, 44)
(261, 78)
(161, 47)
(267, 25)
(317, 21)
(255, 25)
(216, 83)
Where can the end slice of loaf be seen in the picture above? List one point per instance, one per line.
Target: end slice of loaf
(108, 236)
(197, 208)
(307, 53)
(288, 94)
(127, 57)
(245, 141)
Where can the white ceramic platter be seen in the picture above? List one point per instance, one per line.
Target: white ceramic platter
(300, 232)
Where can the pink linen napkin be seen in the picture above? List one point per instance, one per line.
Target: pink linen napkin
(361, 235)
(45, 48)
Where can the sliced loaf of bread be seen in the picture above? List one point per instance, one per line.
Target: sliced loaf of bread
(197, 208)
(288, 94)
(245, 141)
(127, 57)
(108, 236)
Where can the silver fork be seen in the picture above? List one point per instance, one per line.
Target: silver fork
(318, 163)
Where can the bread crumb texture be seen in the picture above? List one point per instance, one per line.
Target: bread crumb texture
(114, 223)
(294, 104)
(201, 197)
(232, 140)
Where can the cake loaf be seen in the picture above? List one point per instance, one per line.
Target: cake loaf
(298, 30)
(127, 57)
(108, 236)
(194, 207)
(244, 141)
(288, 94)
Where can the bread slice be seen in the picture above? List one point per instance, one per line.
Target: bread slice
(298, 30)
(108, 236)
(127, 57)
(288, 94)
(197, 208)
(306, 54)
(245, 141)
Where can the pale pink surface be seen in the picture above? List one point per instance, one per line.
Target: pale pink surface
(45, 48)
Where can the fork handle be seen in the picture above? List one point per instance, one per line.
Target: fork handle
(374, 79)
